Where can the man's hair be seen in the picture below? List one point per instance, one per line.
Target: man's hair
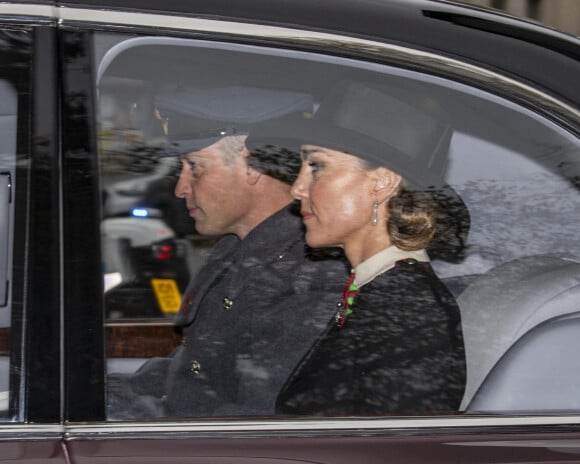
(232, 146)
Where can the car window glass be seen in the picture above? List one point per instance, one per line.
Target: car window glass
(513, 207)
(14, 56)
(8, 131)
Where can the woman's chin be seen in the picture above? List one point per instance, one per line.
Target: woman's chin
(315, 241)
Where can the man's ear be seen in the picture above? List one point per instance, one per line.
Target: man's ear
(385, 183)
(252, 174)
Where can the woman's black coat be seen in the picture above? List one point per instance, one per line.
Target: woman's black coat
(400, 352)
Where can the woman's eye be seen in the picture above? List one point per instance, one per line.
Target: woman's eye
(315, 166)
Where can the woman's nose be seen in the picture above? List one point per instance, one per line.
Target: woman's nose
(298, 190)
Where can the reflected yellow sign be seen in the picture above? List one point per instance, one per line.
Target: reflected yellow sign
(167, 294)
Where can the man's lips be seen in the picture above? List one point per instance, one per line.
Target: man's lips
(192, 210)
(306, 215)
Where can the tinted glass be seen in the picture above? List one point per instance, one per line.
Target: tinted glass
(15, 51)
(505, 180)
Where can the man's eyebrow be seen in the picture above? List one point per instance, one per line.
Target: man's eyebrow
(187, 158)
(306, 153)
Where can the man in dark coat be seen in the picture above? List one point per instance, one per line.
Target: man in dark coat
(263, 297)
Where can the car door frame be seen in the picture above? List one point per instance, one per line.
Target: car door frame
(35, 333)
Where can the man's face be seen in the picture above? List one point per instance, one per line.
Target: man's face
(216, 191)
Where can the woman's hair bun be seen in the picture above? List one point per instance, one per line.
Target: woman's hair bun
(412, 219)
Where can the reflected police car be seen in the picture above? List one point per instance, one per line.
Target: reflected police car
(144, 266)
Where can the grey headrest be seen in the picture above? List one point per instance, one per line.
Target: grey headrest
(8, 111)
(540, 372)
(508, 301)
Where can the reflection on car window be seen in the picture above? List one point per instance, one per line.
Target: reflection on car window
(144, 225)
(504, 183)
(14, 59)
(7, 152)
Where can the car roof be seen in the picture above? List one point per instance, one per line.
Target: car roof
(529, 51)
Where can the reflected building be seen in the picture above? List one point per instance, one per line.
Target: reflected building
(561, 14)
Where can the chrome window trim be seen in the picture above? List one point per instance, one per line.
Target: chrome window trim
(27, 432)
(295, 427)
(319, 41)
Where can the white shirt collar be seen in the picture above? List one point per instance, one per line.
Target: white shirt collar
(383, 261)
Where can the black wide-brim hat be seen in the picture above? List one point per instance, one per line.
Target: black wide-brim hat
(363, 119)
(367, 121)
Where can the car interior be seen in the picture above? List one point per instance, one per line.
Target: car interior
(509, 250)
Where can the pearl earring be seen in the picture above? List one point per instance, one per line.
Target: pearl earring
(375, 218)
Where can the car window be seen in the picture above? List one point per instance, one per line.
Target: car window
(14, 123)
(507, 247)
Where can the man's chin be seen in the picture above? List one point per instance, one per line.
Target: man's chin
(207, 230)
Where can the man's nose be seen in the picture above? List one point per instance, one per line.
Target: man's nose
(183, 186)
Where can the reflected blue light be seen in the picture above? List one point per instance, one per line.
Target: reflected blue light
(139, 212)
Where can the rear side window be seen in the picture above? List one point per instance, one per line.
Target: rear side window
(508, 248)
(8, 150)
(15, 52)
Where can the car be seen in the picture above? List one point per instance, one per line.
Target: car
(81, 130)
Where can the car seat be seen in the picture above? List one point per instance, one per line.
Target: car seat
(541, 371)
(506, 314)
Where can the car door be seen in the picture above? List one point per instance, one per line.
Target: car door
(30, 426)
(515, 150)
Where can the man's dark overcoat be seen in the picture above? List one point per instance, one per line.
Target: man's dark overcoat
(248, 318)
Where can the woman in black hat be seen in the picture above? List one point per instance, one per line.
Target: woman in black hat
(366, 182)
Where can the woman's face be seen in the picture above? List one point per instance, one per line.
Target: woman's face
(337, 194)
